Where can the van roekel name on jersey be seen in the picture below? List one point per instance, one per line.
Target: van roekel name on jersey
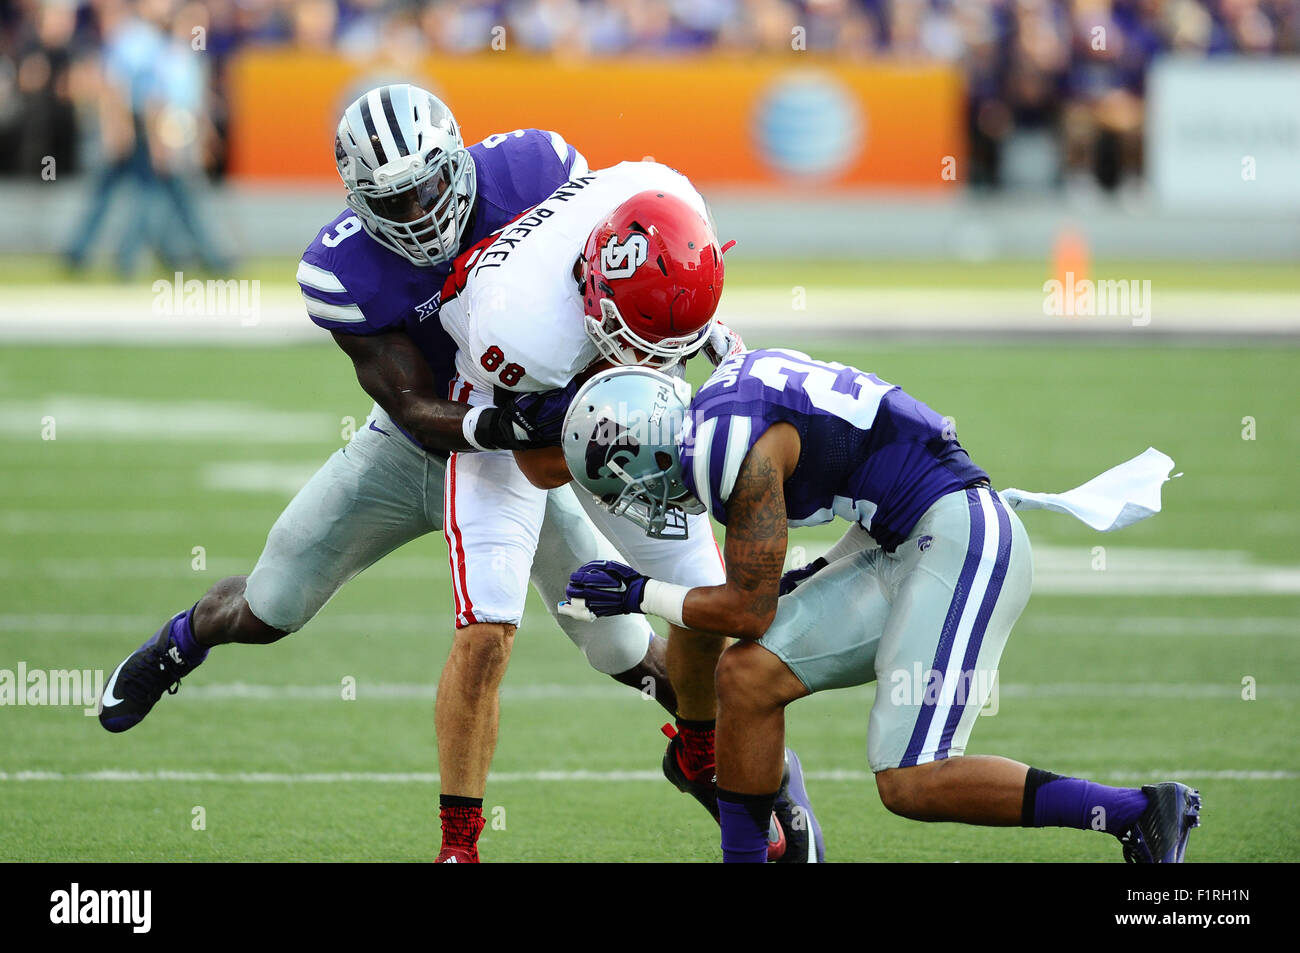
(99, 907)
(521, 228)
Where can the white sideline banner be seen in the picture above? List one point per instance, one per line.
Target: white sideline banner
(1224, 133)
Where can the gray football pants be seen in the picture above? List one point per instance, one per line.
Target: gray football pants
(380, 492)
(927, 622)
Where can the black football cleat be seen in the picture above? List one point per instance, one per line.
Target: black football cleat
(1160, 835)
(793, 810)
(153, 669)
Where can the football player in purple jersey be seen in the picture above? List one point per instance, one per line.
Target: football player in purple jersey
(919, 596)
(416, 198)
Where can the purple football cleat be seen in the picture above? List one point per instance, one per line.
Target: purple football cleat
(803, 835)
(136, 685)
(1160, 835)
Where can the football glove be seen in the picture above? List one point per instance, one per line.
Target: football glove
(524, 421)
(722, 343)
(606, 588)
(791, 580)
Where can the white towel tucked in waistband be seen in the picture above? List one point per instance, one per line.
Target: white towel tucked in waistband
(1120, 497)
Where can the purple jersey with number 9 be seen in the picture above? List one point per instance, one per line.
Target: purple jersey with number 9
(352, 284)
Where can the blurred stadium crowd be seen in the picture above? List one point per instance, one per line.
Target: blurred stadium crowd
(91, 81)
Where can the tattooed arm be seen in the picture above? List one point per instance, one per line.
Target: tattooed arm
(755, 544)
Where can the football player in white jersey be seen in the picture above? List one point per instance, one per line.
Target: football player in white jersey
(617, 266)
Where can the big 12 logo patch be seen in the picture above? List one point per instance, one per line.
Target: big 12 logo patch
(621, 259)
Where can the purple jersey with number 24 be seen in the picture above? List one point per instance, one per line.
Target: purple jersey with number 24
(869, 453)
(352, 284)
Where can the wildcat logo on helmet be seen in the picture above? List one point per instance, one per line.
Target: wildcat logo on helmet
(610, 443)
(622, 259)
(621, 444)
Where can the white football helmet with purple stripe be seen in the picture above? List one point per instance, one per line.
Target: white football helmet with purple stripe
(409, 177)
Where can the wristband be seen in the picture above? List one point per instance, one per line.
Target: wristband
(664, 600)
(470, 423)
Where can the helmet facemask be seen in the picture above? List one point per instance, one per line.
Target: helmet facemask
(619, 344)
(418, 207)
(410, 180)
(651, 275)
(645, 501)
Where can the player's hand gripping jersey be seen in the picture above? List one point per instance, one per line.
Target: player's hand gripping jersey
(512, 303)
(870, 452)
(354, 285)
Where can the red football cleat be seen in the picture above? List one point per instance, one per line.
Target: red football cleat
(456, 855)
(775, 840)
(705, 790)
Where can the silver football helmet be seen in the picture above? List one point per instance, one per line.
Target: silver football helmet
(409, 177)
(622, 442)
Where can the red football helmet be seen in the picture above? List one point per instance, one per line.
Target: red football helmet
(651, 279)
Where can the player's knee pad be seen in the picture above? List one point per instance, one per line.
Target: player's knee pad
(567, 540)
(612, 645)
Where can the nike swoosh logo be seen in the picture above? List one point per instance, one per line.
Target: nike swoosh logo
(377, 430)
(109, 700)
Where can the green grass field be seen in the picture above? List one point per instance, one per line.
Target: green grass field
(158, 451)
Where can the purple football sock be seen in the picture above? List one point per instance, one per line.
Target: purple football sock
(182, 634)
(1087, 805)
(744, 837)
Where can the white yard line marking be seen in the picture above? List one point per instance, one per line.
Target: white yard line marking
(1057, 570)
(549, 692)
(1162, 625)
(113, 522)
(259, 476)
(96, 417)
(429, 777)
(1068, 570)
(402, 692)
(112, 624)
(546, 692)
(99, 312)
